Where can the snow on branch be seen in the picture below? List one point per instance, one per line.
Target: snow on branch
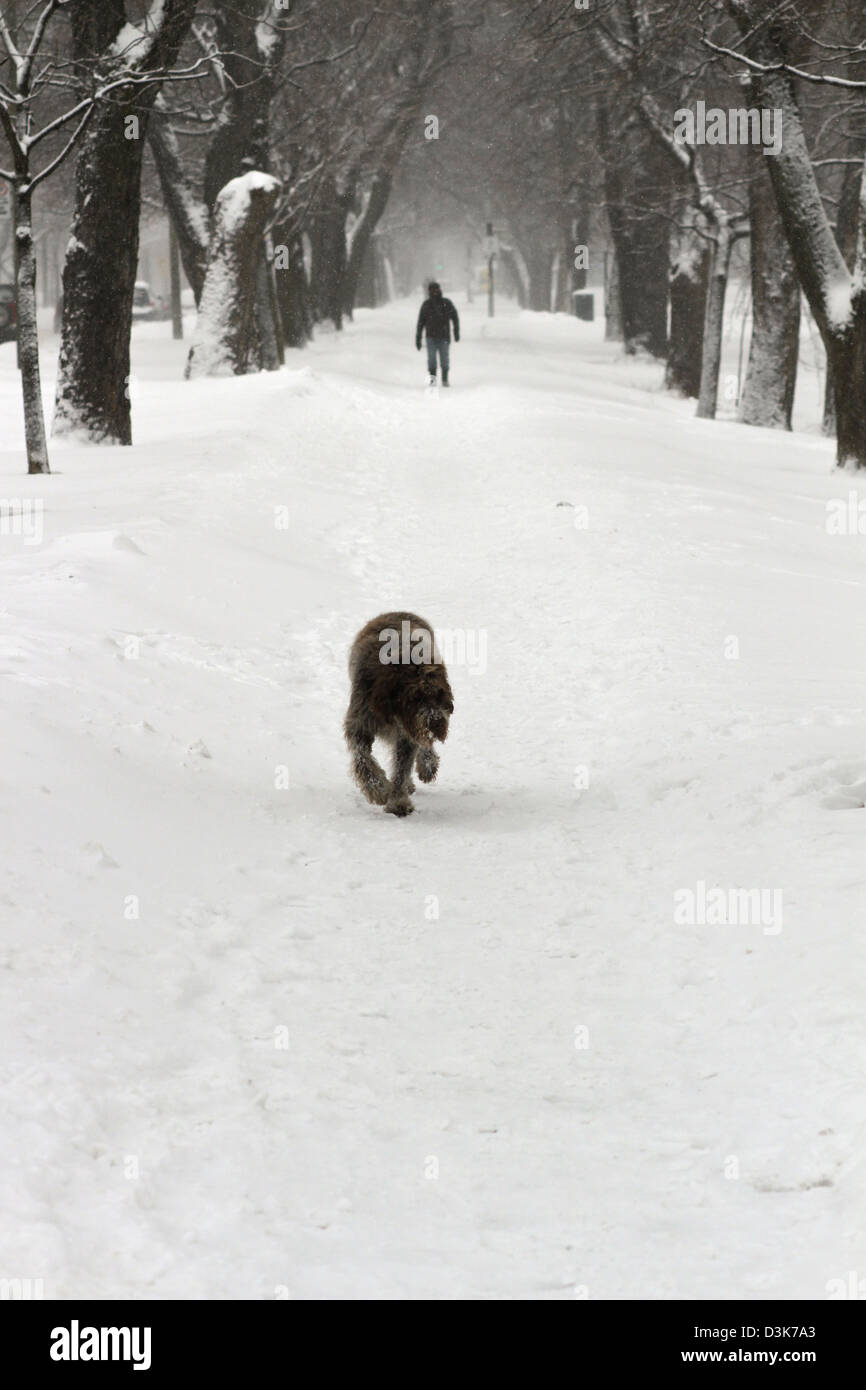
(820, 79)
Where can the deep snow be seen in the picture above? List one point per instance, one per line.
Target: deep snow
(287, 1076)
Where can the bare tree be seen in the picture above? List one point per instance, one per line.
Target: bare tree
(628, 46)
(359, 135)
(38, 84)
(836, 294)
(429, 49)
(92, 397)
(19, 89)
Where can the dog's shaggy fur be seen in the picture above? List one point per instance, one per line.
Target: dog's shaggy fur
(405, 703)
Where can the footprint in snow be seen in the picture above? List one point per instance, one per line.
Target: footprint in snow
(102, 859)
(122, 542)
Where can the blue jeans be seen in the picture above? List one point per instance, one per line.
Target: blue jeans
(440, 345)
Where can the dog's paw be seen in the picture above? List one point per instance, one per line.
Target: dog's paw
(427, 765)
(400, 808)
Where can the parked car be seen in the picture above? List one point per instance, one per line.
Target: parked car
(143, 302)
(8, 314)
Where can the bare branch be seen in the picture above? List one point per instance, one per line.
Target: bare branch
(67, 148)
(11, 49)
(35, 44)
(822, 80)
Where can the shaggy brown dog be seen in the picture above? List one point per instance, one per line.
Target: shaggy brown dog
(400, 693)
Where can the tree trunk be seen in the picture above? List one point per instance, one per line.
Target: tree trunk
(252, 35)
(689, 280)
(174, 272)
(291, 286)
(771, 376)
(714, 321)
(98, 281)
(828, 414)
(92, 395)
(846, 236)
(573, 277)
(380, 191)
(328, 240)
(225, 332)
(568, 277)
(612, 306)
(513, 275)
(367, 289)
(188, 213)
(538, 263)
(847, 356)
(28, 337)
(564, 271)
(634, 175)
(836, 298)
(269, 339)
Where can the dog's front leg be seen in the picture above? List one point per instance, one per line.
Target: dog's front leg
(398, 803)
(369, 776)
(427, 764)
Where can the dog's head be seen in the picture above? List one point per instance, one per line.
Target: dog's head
(431, 707)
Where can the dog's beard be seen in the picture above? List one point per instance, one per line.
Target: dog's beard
(429, 726)
(437, 725)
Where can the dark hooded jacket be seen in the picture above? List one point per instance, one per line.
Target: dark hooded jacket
(436, 316)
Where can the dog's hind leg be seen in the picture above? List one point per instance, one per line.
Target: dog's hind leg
(398, 802)
(427, 764)
(369, 776)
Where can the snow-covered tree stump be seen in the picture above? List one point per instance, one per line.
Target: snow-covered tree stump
(225, 331)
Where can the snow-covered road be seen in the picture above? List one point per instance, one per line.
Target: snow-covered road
(263, 1040)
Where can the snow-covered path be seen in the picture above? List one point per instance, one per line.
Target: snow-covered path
(261, 1039)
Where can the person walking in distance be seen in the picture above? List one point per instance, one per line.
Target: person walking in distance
(436, 317)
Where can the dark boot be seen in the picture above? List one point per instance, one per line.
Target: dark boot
(444, 378)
